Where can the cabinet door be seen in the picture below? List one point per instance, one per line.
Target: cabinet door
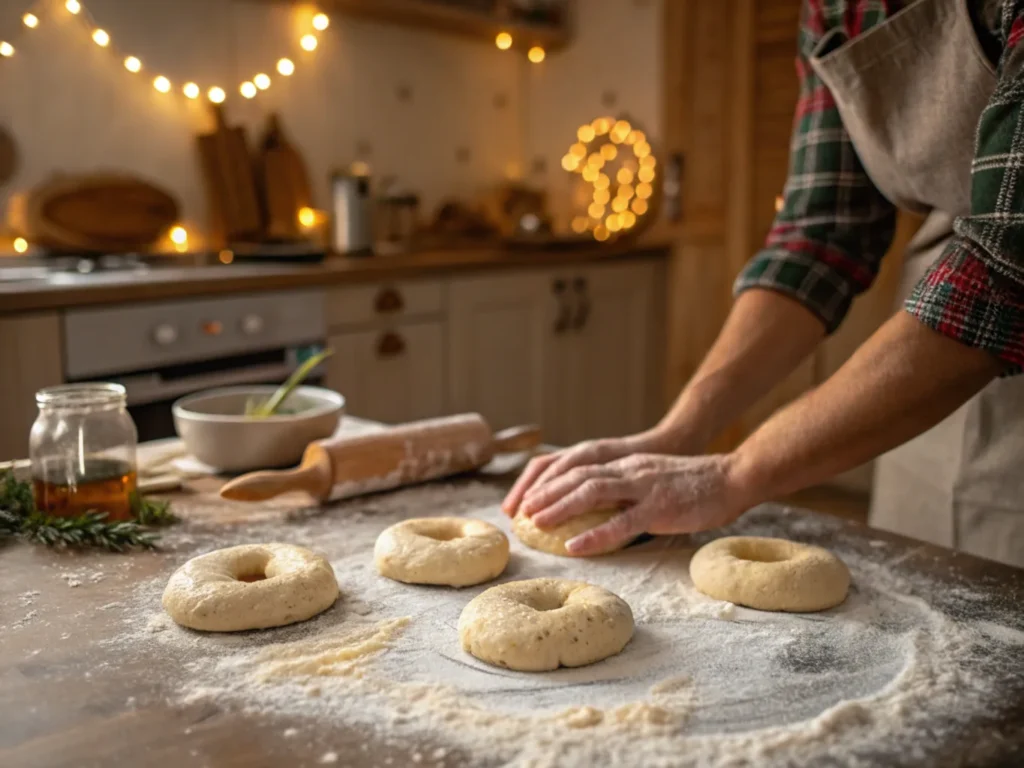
(612, 350)
(391, 375)
(500, 365)
(30, 359)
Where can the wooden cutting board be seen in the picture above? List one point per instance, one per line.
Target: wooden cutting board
(284, 182)
(227, 169)
(98, 212)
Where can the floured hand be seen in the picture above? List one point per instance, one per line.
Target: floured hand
(657, 494)
(544, 469)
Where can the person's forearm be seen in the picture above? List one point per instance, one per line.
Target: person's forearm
(905, 379)
(764, 338)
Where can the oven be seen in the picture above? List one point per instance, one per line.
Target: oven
(161, 351)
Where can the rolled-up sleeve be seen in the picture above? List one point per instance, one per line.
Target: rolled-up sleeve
(975, 292)
(834, 226)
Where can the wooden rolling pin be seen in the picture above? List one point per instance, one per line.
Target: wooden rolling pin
(341, 467)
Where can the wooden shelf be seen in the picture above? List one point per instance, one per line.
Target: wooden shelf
(449, 18)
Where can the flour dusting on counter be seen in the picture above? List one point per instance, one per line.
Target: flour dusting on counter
(701, 681)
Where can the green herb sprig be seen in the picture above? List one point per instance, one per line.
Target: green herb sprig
(19, 518)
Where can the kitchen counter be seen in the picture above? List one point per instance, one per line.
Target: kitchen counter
(91, 674)
(173, 282)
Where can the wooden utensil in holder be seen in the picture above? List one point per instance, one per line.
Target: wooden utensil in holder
(342, 467)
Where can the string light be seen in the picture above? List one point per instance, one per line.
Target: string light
(601, 181)
(628, 219)
(590, 174)
(249, 89)
(585, 133)
(626, 191)
(644, 191)
(307, 217)
(596, 210)
(579, 224)
(624, 176)
(20, 244)
(570, 162)
(619, 204)
(613, 223)
(601, 233)
(503, 41)
(179, 235)
(226, 256)
(602, 196)
(609, 152)
(536, 54)
(639, 207)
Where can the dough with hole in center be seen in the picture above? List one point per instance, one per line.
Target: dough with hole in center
(451, 551)
(553, 540)
(252, 586)
(543, 624)
(770, 574)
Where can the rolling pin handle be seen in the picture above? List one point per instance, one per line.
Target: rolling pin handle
(517, 439)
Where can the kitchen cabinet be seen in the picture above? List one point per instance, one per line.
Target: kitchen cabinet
(501, 363)
(30, 359)
(610, 351)
(392, 374)
(571, 349)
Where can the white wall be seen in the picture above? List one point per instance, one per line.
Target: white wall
(411, 98)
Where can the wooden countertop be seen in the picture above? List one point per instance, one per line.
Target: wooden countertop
(70, 698)
(175, 282)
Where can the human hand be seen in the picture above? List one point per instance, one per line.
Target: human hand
(542, 469)
(657, 494)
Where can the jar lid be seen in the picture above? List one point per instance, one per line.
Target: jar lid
(90, 395)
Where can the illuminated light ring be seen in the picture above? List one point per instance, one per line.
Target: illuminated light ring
(621, 197)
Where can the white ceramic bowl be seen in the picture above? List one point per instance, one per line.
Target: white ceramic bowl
(216, 432)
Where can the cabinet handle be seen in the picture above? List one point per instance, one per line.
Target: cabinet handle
(388, 300)
(582, 304)
(390, 345)
(564, 319)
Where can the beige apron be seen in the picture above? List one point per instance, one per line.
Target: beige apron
(911, 92)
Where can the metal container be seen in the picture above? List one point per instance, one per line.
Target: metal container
(351, 214)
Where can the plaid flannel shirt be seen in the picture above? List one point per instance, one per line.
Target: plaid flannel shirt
(834, 226)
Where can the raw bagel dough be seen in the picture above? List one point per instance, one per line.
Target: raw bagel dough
(452, 551)
(770, 574)
(252, 586)
(553, 539)
(541, 624)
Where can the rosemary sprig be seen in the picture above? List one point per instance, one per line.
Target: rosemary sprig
(152, 512)
(20, 518)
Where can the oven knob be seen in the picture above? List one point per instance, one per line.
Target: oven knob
(252, 324)
(165, 334)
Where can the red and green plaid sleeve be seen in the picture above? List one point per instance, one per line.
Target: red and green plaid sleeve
(975, 292)
(828, 239)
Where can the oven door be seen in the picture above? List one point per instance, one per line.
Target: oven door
(151, 393)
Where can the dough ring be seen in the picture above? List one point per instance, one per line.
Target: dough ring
(542, 624)
(452, 551)
(553, 540)
(252, 586)
(770, 574)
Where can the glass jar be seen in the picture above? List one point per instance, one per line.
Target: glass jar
(82, 447)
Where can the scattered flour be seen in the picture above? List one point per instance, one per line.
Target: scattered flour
(701, 682)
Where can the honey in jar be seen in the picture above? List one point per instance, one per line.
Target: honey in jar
(82, 448)
(102, 485)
